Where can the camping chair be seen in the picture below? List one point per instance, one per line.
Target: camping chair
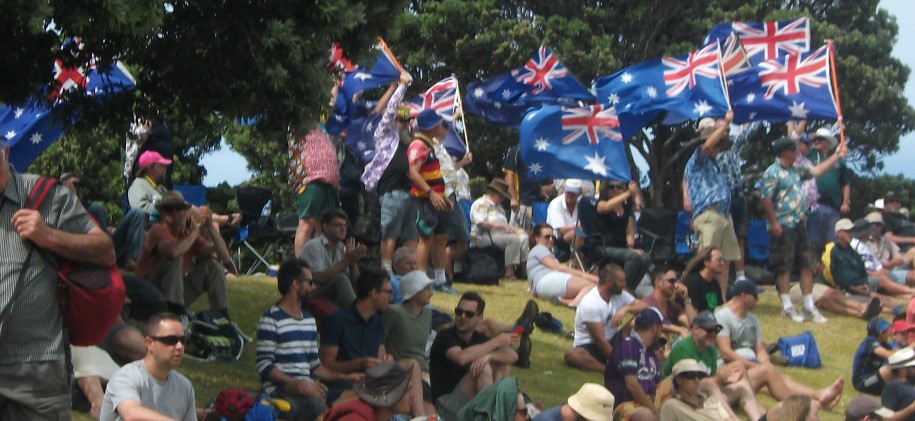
(656, 230)
(685, 240)
(255, 237)
(194, 194)
(758, 242)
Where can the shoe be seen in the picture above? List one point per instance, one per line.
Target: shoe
(526, 319)
(874, 308)
(524, 352)
(445, 289)
(792, 314)
(814, 314)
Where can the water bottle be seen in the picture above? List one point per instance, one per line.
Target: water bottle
(265, 213)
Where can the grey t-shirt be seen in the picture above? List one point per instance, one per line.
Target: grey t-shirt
(743, 333)
(133, 382)
(535, 267)
(143, 196)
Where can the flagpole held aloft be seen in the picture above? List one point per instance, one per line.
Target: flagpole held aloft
(835, 88)
(384, 47)
(460, 106)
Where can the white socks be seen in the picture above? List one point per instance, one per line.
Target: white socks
(786, 301)
(440, 277)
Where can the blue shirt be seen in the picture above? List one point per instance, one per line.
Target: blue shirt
(707, 186)
(353, 336)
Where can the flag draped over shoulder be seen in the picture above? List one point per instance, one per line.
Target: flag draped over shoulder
(684, 87)
(766, 40)
(793, 86)
(574, 142)
(543, 79)
(29, 128)
(382, 71)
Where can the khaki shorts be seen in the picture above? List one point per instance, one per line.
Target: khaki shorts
(819, 290)
(717, 230)
(625, 411)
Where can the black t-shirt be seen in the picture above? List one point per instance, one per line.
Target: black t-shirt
(444, 374)
(898, 224)
(528, 188)
(613, 227)
(395, 175)
(705, 295)
(898, 395)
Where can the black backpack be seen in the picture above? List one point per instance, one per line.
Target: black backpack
(484, 265)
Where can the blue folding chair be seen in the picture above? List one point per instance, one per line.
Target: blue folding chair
(465, 206)
(758, 242)
(194, 194)
(539, 212)
(684, 239)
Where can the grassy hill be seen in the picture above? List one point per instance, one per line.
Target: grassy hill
(548, 380)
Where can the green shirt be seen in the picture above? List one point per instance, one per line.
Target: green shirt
(831, 182)
(406, 335)
(686, 349)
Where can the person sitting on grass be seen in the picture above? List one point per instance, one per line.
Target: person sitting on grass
(333, 258)
(899, 392)
(592, 402)
(384, 393)
(666, 289)
(632, 372)
(352, 339)
(550, 279)
(869, 373)
(700, 278)
(688, 403)
(866, 408)
(598, 317)
(849, 272)
(287, 347)
(462, 361)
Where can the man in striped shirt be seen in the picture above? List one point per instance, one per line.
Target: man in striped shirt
(287, 347)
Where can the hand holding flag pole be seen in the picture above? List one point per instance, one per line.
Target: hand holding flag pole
(458, 103)
(835, 89)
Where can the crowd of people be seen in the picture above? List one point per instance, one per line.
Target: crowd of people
(353, 334)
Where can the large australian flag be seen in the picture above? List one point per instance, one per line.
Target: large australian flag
(684, 87)
(766, 40)
(792, 86)
(29, 128)
(383, 70)
(574, 142)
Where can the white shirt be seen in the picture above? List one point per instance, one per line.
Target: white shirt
(558, 216)
(871, 263)
(593, 309)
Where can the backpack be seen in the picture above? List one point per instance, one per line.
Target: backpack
(800, 350)
(214, 338)
(484, 265)
(90, 296)
(826, 258)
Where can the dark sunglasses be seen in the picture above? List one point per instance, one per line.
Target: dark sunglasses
(464, 313)
(693, 375)
(170, 340)
(615, 186)
(713, 331)
(551, 236)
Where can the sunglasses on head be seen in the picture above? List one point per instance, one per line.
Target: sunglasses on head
(464, 313)
(170, 340)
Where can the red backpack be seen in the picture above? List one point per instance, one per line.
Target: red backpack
(91, 297)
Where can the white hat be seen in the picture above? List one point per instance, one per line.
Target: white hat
(878, 204)
(904, 357)
(689, 365)
(826, 133)
(844, 224)
(573, 185)
(413, 282)
(593, 402)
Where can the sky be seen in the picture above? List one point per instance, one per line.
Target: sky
(227, 165)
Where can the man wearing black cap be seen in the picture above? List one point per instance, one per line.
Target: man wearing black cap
(632, 372)
(899, 229)
(783, 202)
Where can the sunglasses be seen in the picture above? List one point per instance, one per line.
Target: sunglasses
(615, 186)
(170, 340)
(464, 313)
(549, 236)
(693, 375)
(713, 331)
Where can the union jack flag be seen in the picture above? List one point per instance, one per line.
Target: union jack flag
(683, 72)
(767, 40)
(541, 70)
(68, 78)
(734, 58)
(787, 73)
(337, 61)
(441, 98)
(590, 122)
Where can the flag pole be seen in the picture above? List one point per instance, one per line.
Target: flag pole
(460, 105)
(835, 89)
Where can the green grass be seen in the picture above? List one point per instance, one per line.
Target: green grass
(548, 380)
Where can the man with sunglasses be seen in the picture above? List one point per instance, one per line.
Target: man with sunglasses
(151, 388)
(33, 370)
(688, 402)
(666, 288)
(463, 362)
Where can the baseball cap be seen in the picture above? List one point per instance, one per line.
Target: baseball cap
(150, 158)
(844, 224)
(864, 405)
(877, 325)
(687, 366)
(706, 320)
(891, 197)
(413, 282)
(746, 287)
(648, 317)
(783, 144)
(573, 185)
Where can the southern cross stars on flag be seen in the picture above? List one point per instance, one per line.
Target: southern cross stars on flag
(382, 71)
(794, 86)
(29, 128)
(574, 142)
(766, 40)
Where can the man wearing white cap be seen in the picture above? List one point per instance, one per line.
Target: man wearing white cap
(146, 190)
(407, 325)
(834, 188)
(592, 402)
(848, 271)
(899, 392)
(688, 403)
(562, 215)
(708, 195)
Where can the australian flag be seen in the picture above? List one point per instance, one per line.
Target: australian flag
(574, 142)
(766, 40)
(500, 100)
(544, 78)
(685, 87)
(793, 86)
(382, 71)
(29, 128)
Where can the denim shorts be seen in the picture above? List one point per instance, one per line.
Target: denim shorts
(398, 216)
